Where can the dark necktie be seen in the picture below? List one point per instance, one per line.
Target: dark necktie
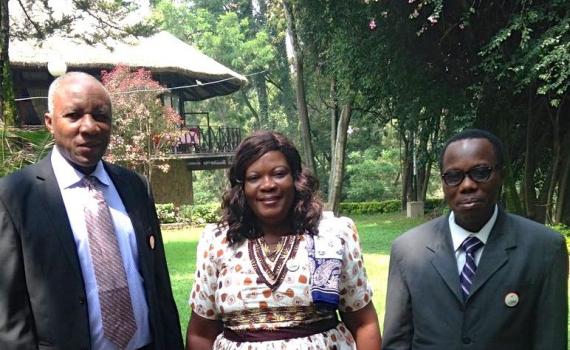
(116, 308)
(470, 245)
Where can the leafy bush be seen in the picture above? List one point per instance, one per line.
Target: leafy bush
(185, 213)
(166, 213)
(206, 213)
(388, 206)
(369, 175)
(196, 214)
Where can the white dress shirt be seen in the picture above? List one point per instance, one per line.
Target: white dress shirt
(75, 198)
(459, 234)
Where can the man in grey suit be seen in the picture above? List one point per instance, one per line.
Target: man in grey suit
(505, 288)
(62, 285)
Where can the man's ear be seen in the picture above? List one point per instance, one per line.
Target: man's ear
(48, 121)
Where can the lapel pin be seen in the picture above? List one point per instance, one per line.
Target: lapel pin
(511, 299)
(151, 241)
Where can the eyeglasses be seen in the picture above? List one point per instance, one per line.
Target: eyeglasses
(479, 174)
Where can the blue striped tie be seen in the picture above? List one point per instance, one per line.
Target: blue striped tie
(470, 245)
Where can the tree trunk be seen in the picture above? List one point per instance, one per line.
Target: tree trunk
(251, 108)
(337, 171)
(406, 171)
(334, 124)
(300, 89)
(7, 103)
(286, 98)
(563, 192)
(529, 165)
(263, 100)
(565, 203)
(555, 120)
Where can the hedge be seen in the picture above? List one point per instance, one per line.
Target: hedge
(188, 214)
(388, 206)
(200, 214)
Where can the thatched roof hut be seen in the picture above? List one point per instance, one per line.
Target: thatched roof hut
(173, 62)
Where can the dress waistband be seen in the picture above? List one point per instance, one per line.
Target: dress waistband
(275, 315)
(298, 331)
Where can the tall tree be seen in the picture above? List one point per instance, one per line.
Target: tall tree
(299, 78)
(91, 21)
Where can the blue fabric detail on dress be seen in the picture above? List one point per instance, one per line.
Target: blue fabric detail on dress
(325, 263)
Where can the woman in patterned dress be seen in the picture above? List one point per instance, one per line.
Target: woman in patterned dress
(276, 272)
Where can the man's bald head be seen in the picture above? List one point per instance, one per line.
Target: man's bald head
(55, 85)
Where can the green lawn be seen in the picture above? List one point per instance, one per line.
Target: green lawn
(376, 233)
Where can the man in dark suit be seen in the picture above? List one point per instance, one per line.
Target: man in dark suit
(57, 291)
(505, 288)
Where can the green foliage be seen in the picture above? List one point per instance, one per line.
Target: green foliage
(533, 50)
(166, 213)
(388, 206)
(205, 213)
(230, 34)
(434, 204)
(90, 21)
(8, 104)
(185, 213)
(144, 130)
(19, 148)
(208, 186)
(371, 174)
(199, 214)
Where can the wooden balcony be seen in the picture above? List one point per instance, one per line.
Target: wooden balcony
(207, 147)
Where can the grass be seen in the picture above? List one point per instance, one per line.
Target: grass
(376, 234)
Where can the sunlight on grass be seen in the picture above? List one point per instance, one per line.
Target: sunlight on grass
(377, 271)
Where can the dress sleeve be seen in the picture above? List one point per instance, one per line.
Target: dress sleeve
(203, 294)
(355, 291)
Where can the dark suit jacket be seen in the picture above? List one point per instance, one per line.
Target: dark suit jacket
(425, 309)
(42, 296)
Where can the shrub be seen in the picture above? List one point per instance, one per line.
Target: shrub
(185, 213)
(388, 206)
(206, 213)
(197, 214)
(434, 204)
(166, 213)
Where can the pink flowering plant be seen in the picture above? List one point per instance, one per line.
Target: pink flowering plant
(144, 130)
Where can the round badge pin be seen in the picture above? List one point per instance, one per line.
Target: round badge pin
(151, 242)
(292, 266)
(511, 299)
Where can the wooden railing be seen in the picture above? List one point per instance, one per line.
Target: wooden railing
(209, 139)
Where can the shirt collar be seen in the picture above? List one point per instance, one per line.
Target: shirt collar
(67, 176)
(458, 233)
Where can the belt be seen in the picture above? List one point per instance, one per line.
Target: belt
(303, 330)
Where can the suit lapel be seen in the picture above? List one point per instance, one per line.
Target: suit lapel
(443, 258)
(495, 253)
(54, 208)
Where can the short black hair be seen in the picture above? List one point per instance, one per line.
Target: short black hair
(498, 146)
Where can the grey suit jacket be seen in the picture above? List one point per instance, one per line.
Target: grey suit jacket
(42, 295)
(425, 308)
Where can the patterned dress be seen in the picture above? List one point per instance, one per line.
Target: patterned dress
(229, 287)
